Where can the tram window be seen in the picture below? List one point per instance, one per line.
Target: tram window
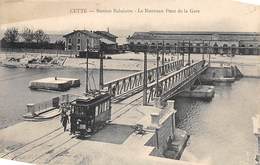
(106, 106)
(96, 110)
(99, 109)
(103, 107)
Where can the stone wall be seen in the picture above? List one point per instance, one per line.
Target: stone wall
(164, 130)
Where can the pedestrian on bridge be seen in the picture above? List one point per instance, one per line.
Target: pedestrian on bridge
(114, 90)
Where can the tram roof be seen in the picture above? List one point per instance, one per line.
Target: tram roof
(91, 99)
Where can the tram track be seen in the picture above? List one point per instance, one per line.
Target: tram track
(35, 140)
(35, 146)
(50, 154)
(48, 151)
(60, 150)
(45, 148)
(55, 143)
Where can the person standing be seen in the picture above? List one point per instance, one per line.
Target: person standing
(65, 121)
(72, 123)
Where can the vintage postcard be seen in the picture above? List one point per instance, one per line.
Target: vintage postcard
(92, 82)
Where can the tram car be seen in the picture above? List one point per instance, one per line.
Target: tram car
(90, 113)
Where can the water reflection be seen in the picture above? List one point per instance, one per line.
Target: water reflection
(221, 130)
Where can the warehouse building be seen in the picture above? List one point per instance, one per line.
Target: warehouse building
(245, 43)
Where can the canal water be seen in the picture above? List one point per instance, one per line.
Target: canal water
(15, 94)
(221, 130)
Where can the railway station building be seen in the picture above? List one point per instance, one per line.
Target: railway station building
(244, 43)
(77, 40)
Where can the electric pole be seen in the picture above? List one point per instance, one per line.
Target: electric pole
(157, 70)
(101, 76)
(189, 53)
(182, 51)
(145, 77)
(203, 50)
(163, 50)
(87, 67)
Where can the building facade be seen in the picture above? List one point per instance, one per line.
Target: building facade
(200, 42)
(108, 41)
(107, 35)
(78, 39)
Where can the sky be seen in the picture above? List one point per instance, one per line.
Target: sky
(54, 16)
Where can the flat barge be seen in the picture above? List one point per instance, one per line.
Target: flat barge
(54, 83)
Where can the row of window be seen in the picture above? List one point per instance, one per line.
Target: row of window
(198, 44)
(102, 108)
(70, 41)
(81, 110)
(78, 43)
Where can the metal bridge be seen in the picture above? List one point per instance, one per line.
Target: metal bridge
(174, 83)
(127, 86)
(164, 82)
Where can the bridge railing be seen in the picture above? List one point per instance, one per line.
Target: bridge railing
(173, 81)
(134, 82)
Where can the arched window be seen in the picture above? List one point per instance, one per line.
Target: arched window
(233, 49)
(197, 48)
(251, 49)
(225, 49)
(242, 49)
(215, 48)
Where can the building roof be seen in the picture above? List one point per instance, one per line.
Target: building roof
(202, 33)
(91, 34)
(188, 35)
(106, 34)
(106, 41)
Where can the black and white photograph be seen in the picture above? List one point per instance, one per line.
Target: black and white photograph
(119, 82)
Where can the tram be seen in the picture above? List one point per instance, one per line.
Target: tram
(90, 113)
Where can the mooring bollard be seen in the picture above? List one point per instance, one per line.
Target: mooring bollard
(31, 109)
(155, 119)
(171, 106)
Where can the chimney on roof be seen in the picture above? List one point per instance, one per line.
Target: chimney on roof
(108, 29)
